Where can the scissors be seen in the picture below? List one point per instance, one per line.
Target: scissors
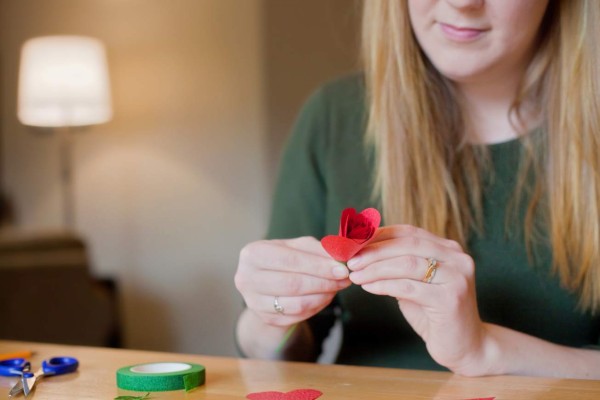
(15, 367)
(53, 366)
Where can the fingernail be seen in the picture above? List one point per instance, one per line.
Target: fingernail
(353, 262)
(340, 271)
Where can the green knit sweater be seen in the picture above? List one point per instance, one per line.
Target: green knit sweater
(325, 169)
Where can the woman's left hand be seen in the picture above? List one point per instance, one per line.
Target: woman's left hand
(443, 312)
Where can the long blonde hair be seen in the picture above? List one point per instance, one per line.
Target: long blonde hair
(427, 175)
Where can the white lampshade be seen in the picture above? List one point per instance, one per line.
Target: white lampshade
(63, 81)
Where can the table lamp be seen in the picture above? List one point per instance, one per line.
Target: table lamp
(63, 83)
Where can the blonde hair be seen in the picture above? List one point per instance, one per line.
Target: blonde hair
(427, 175)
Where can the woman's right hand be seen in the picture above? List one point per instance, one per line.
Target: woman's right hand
(297, 272)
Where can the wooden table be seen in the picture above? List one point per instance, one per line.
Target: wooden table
(231, 378)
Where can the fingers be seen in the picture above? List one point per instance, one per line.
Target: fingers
(407, 289)
(291, 305)
(449, 288)
(307, 244)
(406, 248)
(291, 309)
(399, 260)
(303, 256)
(274, 268)
(409, 267)
(402, 241)
(276, 283)
(450, 269)
(298, 272)
(393, 231)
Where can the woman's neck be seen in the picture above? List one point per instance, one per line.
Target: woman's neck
(486, 106)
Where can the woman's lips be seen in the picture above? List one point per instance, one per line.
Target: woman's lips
(457, 34)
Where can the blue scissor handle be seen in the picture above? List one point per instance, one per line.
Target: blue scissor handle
(59, 365)
(14, 367)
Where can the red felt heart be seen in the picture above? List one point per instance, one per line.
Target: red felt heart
(346, 215)
(341, 248)
(355, 231)
(483, 398)
(298, 394)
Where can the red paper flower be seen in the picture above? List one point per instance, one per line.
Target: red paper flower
(356, 230)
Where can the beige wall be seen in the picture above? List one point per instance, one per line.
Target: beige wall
(169, 191)
(307, 42)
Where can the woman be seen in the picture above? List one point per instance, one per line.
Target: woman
(476, 130)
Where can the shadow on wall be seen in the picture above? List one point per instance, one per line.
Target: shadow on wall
(7, 214)
(188, 322)
(216, 290)
(47, 293)
(149, 321)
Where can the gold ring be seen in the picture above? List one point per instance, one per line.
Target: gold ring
(431, 269)
(278, 307)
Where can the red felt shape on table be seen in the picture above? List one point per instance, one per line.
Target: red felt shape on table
(298, 394)
(356, 230)
(482, 398)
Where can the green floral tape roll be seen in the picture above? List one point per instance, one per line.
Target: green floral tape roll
(159, 377)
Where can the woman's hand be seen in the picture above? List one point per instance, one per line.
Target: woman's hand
(297, 272)
(443, 312)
